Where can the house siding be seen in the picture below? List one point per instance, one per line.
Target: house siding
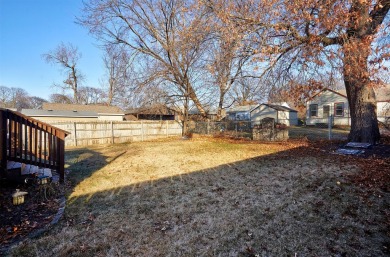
(285, 117)
(49, 119)
(328, 98)
(262, 112)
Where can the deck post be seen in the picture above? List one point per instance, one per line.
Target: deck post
(61, 157)
(3, 142)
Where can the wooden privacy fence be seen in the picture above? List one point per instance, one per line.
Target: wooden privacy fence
(107, 132)
(26, 140)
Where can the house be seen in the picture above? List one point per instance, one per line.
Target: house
(241, 113)
(195, 115)
(154, 112)
(326, 103)
(76, 112)
(255, 113)
(282, 114)
(330, 102)
(56, 115)
(383, 104)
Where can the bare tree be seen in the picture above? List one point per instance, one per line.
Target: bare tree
(91, 95)
(249, 90)
(170, 33)
(118, 64)
(229, 57)
(36, 102)
(67, 57)
(60, 98)
(5, 96)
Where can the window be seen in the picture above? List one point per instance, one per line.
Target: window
(326, 111)
(242, 116)
(339, 109)
(313, 110)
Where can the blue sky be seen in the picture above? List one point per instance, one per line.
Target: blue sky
(29, 28)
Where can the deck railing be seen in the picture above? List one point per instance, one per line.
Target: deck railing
(30, 141)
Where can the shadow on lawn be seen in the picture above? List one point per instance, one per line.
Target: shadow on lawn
(83, 162)
(294, 202)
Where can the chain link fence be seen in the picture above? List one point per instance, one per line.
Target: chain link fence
(255, 131)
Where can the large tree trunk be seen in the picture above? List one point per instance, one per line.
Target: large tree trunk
(364, 123)
(192, 95)
(361, 96)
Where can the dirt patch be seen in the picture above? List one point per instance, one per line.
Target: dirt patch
(18, 221)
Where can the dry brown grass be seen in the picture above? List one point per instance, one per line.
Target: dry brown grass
(205, 197)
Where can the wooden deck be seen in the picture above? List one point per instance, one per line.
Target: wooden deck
(29, 146)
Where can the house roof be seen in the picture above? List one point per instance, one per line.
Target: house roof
(56, 113)
(382, 93)
(243, 108)
(152, 110)
(280, 108)
(339, 92)
(102, 109)
(196, 111)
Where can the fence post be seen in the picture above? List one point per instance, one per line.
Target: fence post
(3, 141)
(142, 131)
(330, 127)
(167, 134)
(208, 127)
(112, 132)
(75, 133)
(60, 155)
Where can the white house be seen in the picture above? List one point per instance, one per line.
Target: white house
(329, 102)
(326, 103)
(383, 104)
(255, 113)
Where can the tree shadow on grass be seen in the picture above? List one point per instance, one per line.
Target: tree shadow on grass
(81, 163)
(280, 204)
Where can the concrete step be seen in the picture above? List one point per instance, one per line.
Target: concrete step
(358, 145)
(21, 169)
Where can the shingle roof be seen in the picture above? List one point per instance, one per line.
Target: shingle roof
(243, 108)
(56, 113)
(81, 108)
(280, 107)
(382, 93)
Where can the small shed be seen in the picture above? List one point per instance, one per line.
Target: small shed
(153, 112)
(281, 114)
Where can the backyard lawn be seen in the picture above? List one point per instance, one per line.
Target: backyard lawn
(210, 197)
